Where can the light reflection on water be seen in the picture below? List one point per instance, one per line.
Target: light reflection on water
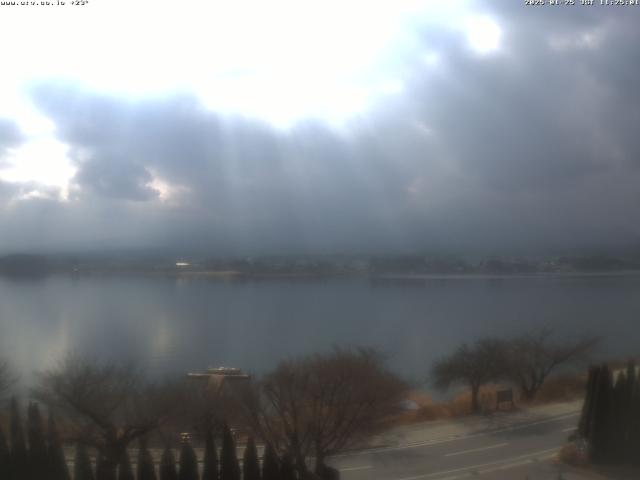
(172, 325)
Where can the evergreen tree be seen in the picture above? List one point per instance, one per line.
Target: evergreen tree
(146, 470)
(19, 459)
(103, 470)
(586, 418)
(631, 377)
(210, 470)
(125, 470)
(4, 456)
(82, 469)
(619, 419)
(287, 471)
(270, 464)
(188, 463)
(229, 468)
(250, 463)
(56, 462)
(627, 434)
(168, 465)
(37, 445)
(601, 427)
(633, 446)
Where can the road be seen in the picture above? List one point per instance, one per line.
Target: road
(512, 451)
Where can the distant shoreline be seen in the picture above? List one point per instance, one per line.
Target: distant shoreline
(237, 275)
(490, 276)
(390, 267)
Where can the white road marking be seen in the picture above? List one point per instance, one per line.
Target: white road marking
(351, 469)
(454, 438)
(473, 450)
(506, 466)
(571, 429)
(498, 463)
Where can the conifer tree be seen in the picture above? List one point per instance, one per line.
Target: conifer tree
(38, 467)
(168, 465)
(287, 471)
(586, 418)
(125, 470)
(628, 406)
(188, 463)
(631, 377)
(634, 434)
(103, 470)
(619, 418)
(229, 468)
(210, 470)
(250, 463)
(602, 419)
(145, 470)
(270, 464)
(82, 469)
(19, 459)
(4, 456)
(56, 461)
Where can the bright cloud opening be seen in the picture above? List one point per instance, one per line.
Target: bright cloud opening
(483, 34)
(43, 160)
(278, 61)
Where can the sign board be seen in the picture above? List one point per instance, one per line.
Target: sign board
(504, 396)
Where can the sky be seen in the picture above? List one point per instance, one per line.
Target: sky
(292, 126)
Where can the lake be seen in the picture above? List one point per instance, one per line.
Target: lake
(180, 324)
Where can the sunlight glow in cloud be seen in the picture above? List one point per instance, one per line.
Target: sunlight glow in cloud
(43, 160)
(168, 193)
(483, 34)
(279, 60)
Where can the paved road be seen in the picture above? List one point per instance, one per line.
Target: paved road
(519, 449)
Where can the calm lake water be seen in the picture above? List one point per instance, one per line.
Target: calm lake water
(182, 324)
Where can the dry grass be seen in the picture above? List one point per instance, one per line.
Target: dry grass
(571, 455)
(557, 389)
(429, 410)
(562, 388)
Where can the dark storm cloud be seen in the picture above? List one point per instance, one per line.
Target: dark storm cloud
(236, 181)
(112, 176)
(542, 113)
(534, 146)
(544, 135)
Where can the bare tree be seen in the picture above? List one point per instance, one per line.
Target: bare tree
(207, 406)
(109, 404)
(472, 365)
(321, 404)
(534, 356)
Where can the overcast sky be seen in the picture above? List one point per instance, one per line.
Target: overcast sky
(292, 126)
